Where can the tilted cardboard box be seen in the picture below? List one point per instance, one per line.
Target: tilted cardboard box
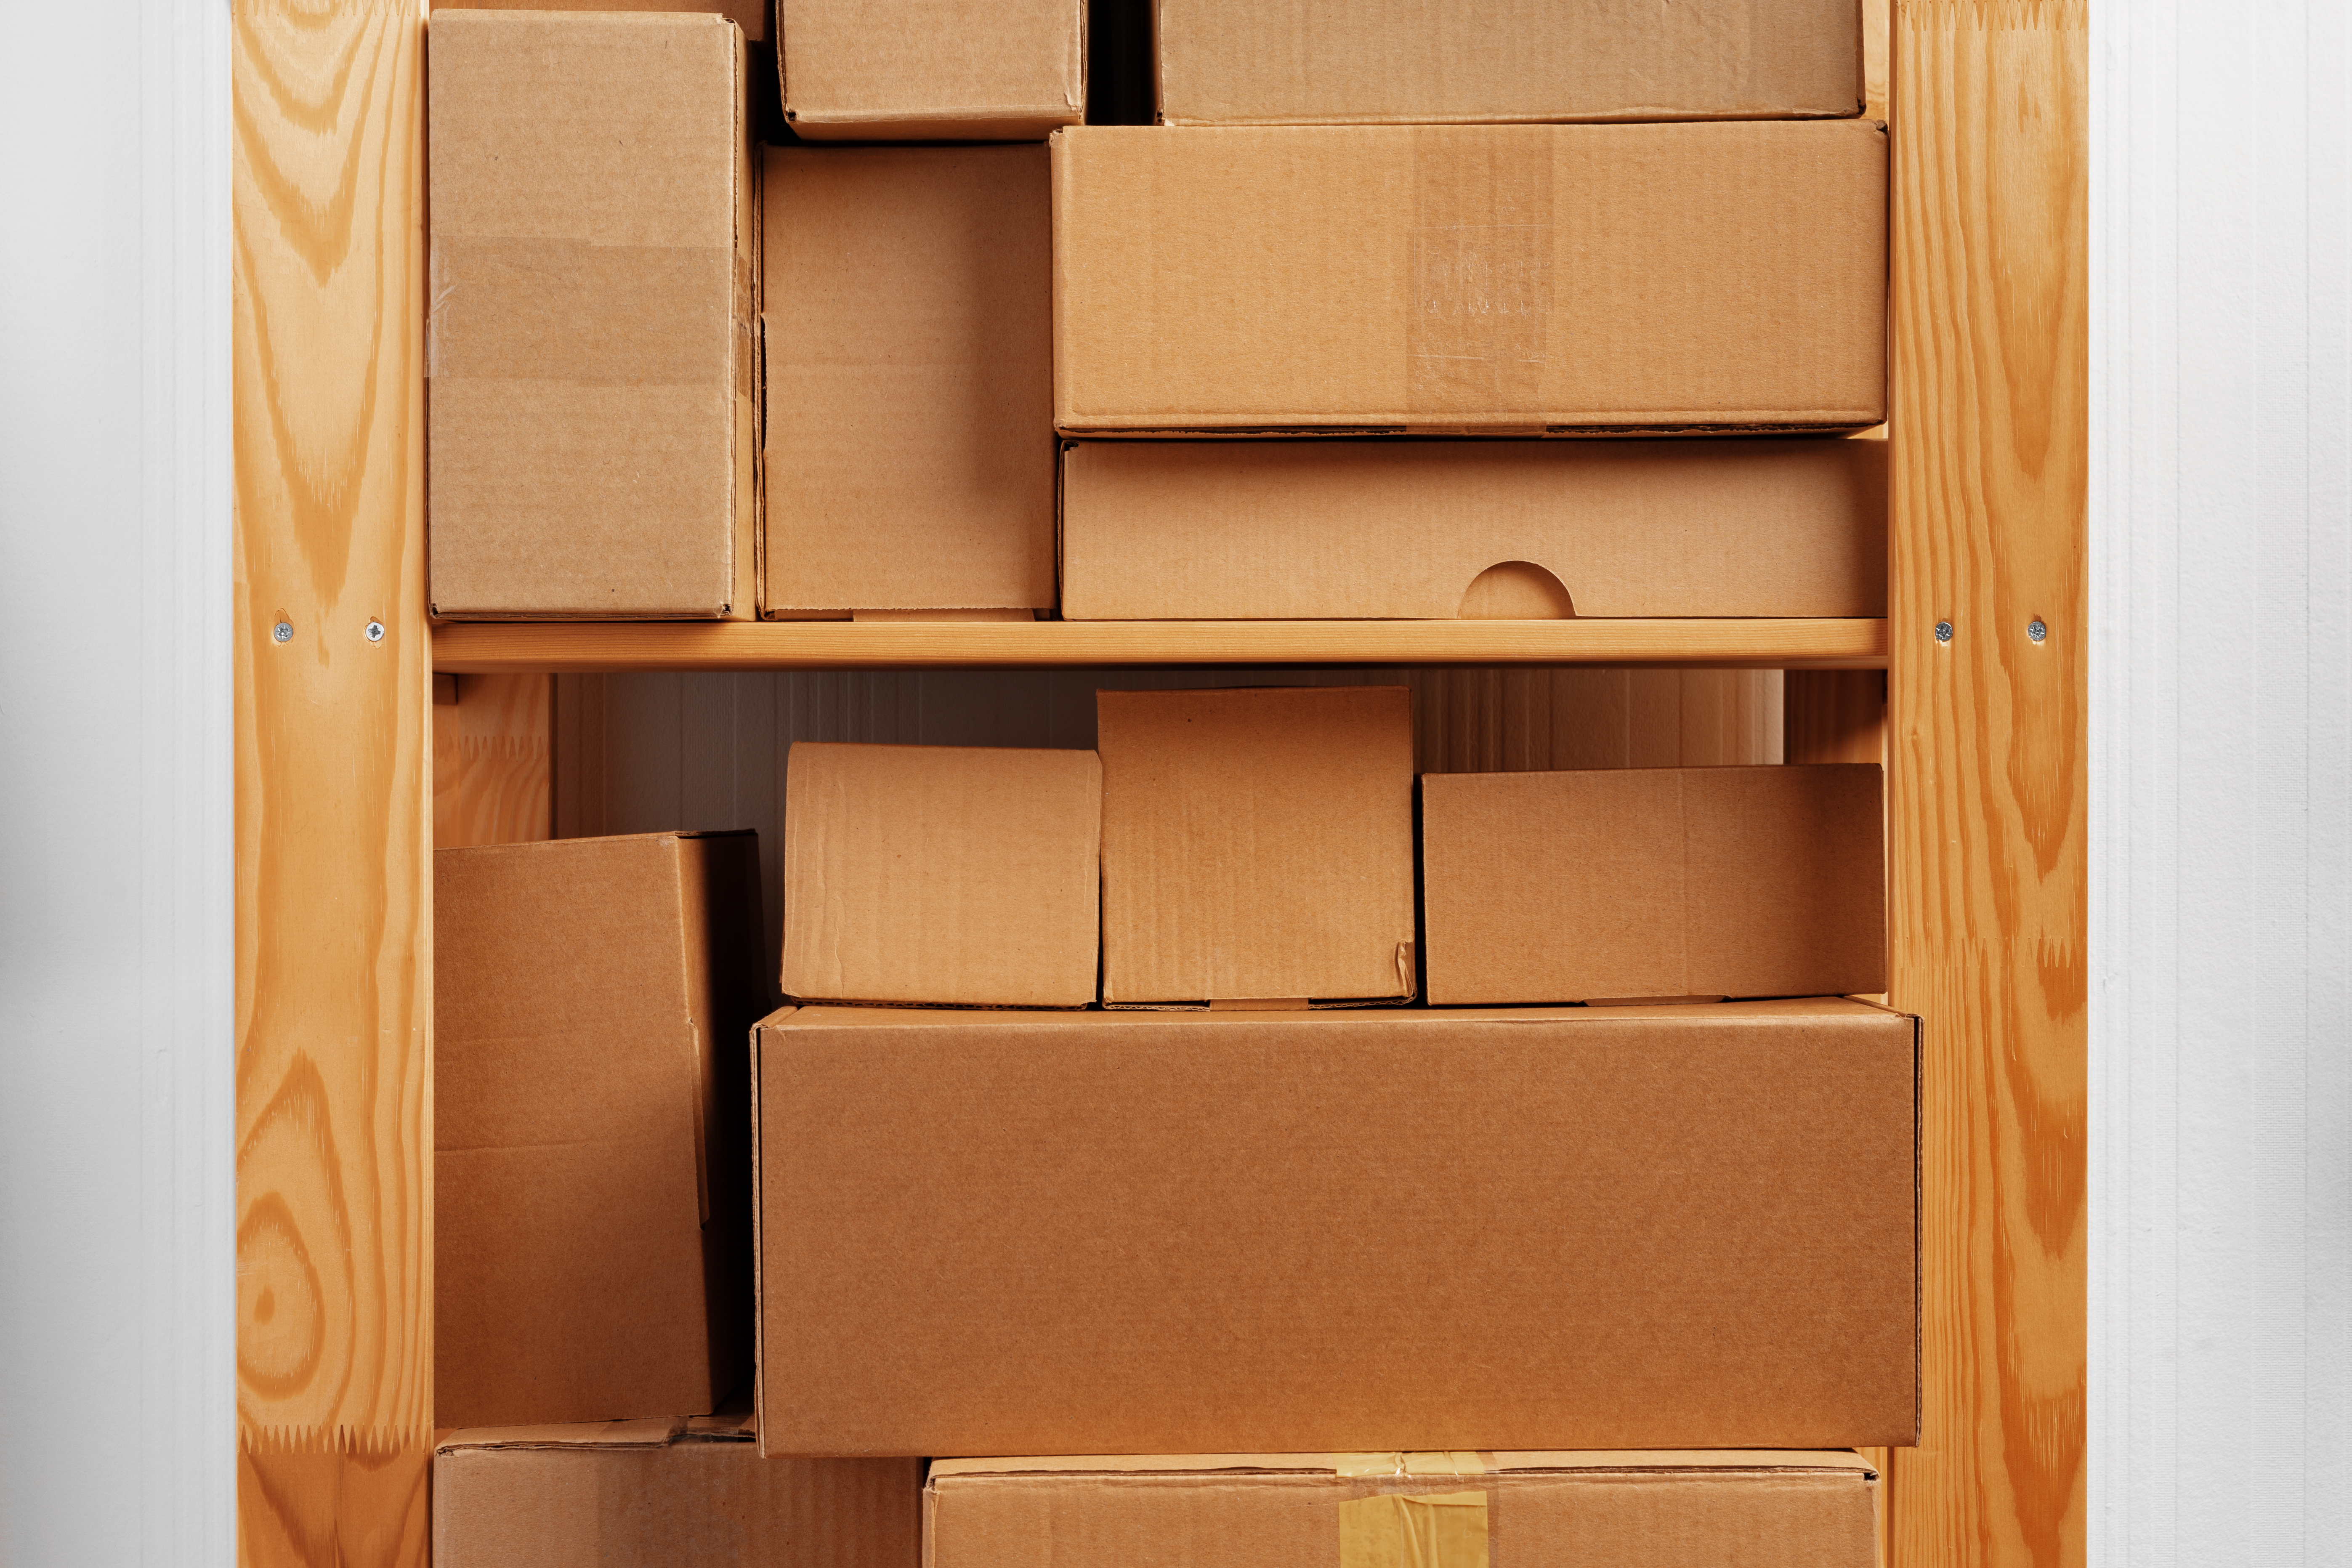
(751, 16)
(937, 70)
(948, 874)
(1128, 1233)
(590, 395)
(1654, 882)
(1257, 845)
(592, 1234)
(1493, 279)
(648, 1494)
(1433, 530)
(910, 376)
(1270, 63)
(1629, 1510)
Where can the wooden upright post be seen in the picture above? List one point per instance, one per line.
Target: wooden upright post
(334, 1114)
(1987, 737)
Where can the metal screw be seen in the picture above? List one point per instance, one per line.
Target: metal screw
(2036, 630)
(1942, 631)
(376, 631)
(283, 631)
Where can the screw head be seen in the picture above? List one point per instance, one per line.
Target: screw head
(1942, 631)
(376, 631)
(2036, 630)
(283, 631)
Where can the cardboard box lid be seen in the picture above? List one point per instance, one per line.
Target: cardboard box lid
(1576, 1460)
(1728, 881)
(909, 371)
(751, 16)
(940, 70)
(592, 298)
(941, 874)
(1208, 1233)
(1257, 844)
(1491, 280)
(1433, 530)
(1393, 62)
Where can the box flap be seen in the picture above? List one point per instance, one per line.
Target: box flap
(991, 70)
(650, 1433)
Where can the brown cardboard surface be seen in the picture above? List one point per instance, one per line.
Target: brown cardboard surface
(1131, 1233)
(1664, 1511)
(909, 374)
(1257, 845)
(1302, 530)
(662, 1493)
(1571, 887)
(592, 1236)
(948, 874)
(590, 390)
(1496, 279)
(751, 16)
(1396, 61)
(937, 70)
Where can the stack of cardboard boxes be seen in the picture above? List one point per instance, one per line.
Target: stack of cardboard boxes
(1366, 1169)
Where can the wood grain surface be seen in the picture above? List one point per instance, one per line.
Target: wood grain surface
(490, 749)
(589, 647)
(333, 970)
(1988, 744)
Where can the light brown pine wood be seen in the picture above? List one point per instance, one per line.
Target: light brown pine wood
(1835, 716)
(334, 1124)
(1986, 742)
(490, 760)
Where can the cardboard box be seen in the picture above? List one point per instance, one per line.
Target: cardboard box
(1272, 62)
(949, 875)
(1654, 882)
(751, 16)
(1256, 846)
(1142, 1233)
(590, 393)
(1435, 529)
(1686, 1510)
(910, 354)
(937, 70)
(1488, 279)
(648, 1494)
(592, 1236)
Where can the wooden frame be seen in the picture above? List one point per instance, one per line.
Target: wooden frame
(1986, 756)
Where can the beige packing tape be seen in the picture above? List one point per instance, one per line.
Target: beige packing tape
(1479, 315)
(1428, 1529)
(591, 315)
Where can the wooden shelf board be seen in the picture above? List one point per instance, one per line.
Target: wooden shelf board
(584, 646)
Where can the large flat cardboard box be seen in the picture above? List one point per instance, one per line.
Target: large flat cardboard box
(592, 1236)
(910, 354)
(652, 1493)
(960, 876)
(1131, 1233)
(590, 393)
(1489, 280)
(751, 16)
(1654, 882)
(1257, 845)
(1435, 529)
(1272, 62)
(1633, 1510)
(932, 71)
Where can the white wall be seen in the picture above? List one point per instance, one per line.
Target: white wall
(2222, 782)
(116, 1264)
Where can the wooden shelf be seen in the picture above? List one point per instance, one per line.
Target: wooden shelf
(582, 646)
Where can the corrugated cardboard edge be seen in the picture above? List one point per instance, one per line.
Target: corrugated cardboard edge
(1598, 1461)
(650, 1432)
(743, 341)
(759, 1243)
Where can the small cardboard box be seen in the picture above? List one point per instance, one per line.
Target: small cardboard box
(751, 16)
(590, 393)
(592, 1236)
(1673, 1510)
(909, 361)
(648, 1494)
(955, 876)
(1257, 845)
(1486, 279)
(1654, 882)
(932, 71)
(1272, 62)
(1212, 1233)
(1430, 531)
